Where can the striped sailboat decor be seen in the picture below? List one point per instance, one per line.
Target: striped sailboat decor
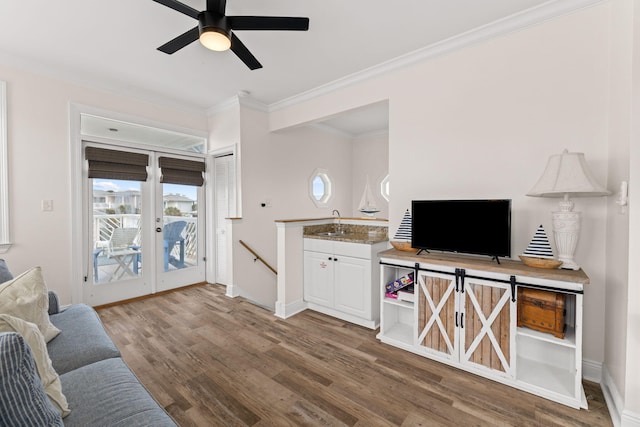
(402, 240)
(404, 231)
(539, 247)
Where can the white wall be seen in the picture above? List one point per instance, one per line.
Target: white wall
(482, 122)
(39, 166)
(370, 158)
(277, 166)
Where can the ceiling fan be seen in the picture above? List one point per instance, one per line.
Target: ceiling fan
(215, 29)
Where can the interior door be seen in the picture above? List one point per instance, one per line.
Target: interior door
(225, 201)
(144, 232)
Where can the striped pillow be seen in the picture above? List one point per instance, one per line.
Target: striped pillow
(23, 401)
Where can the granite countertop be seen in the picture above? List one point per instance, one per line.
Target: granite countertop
(366, 234)
(352, 238)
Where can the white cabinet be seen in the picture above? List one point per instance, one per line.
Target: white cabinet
(341, 279)
(465, 315)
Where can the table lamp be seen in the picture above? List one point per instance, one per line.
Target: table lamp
(567, 175)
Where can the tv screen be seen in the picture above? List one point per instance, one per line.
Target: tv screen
(481, 227)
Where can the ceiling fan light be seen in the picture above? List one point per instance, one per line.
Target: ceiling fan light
(215, 40)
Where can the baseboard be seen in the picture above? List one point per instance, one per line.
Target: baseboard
(592, 371)
(612, 397)
(287, 310)
(232, 291)
(630, 419)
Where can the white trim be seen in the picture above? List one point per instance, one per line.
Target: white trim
(78, 220)
(612, 396)
(5, 240)
(241, 99)
(232, 291)
(515, 22)
(284, 311)
(630, 419)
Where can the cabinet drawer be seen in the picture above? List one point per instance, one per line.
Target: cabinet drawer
(318, 245)
(355, 250)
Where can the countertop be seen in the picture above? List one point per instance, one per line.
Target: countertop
(352, 238)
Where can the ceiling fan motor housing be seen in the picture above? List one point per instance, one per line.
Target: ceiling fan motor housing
(210, 21)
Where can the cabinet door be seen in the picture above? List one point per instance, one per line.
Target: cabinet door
(318, 278)
(353, 287)
(488, 332)
(437, 313)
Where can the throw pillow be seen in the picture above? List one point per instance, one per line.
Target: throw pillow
(22, 397)
(26, 297)
(5, 274)
(35, 340)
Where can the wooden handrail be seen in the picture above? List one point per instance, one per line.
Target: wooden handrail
(258, 257)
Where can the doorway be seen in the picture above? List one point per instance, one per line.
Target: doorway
(144, 216)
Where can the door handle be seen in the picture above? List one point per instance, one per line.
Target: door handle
(159, 230)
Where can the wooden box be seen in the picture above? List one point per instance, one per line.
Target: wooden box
(542, 311)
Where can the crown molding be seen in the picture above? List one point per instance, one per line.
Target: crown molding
(535, 15)
(242, 99)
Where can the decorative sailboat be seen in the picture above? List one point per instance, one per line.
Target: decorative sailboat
(402, 239)
(368, 202)
(539, 253)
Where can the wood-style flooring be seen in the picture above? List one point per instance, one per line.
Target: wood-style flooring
(210, 360)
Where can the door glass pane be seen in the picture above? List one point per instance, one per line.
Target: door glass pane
(180, 230)
(117, 235)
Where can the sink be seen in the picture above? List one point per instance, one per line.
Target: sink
(331, 234)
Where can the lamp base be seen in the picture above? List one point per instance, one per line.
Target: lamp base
(566, 231)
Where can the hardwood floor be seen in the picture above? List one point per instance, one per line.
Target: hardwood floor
(215, 361)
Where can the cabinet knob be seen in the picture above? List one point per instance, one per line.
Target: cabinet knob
(335, 259)
(330, 259)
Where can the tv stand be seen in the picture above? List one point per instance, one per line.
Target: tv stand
(465, 312)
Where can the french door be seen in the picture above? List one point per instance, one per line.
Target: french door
(144, 222)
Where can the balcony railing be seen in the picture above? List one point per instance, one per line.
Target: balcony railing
(104, 224)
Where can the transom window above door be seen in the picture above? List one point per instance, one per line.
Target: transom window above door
(101, 127)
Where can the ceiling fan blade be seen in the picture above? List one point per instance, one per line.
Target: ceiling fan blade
(180, 7)
(181, 41)
(268, 23)
(243, 53)
(217, 6)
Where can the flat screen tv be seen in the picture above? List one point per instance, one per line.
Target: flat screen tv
(481, 227)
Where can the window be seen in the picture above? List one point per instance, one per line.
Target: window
(384, 188)
(4, 185)
(320, 187)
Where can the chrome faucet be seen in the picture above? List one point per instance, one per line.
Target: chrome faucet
(337, 212)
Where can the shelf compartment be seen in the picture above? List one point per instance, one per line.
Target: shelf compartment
(397, 322)
(552, 378)
(569, 339)
(404, 304)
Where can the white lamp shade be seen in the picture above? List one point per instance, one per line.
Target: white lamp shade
(567, 173)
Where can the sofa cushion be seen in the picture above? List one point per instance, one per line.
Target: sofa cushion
(35, 340)
(5, 274)
(26, 297)
(108, 393)
(82, 341)
(22, 398)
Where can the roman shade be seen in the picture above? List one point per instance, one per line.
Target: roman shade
(113, 164)
(180, 171)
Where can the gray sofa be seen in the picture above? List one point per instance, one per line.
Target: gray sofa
(100, 388)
